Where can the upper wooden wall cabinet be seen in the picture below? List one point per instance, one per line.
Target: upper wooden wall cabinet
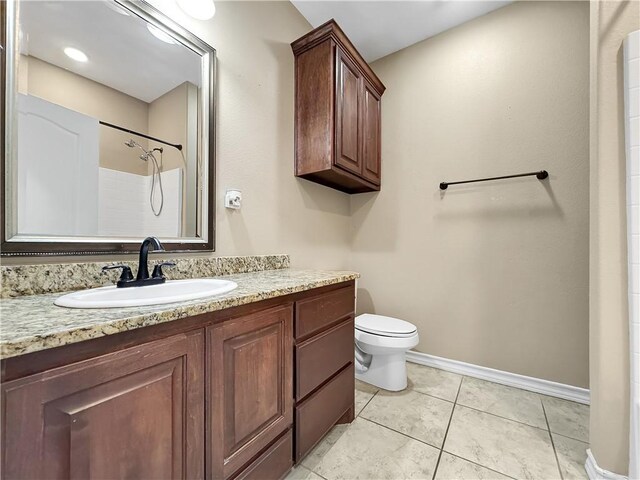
(337, 112)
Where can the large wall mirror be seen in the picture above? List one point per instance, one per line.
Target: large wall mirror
(108, 129)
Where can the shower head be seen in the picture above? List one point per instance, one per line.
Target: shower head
(131, 143)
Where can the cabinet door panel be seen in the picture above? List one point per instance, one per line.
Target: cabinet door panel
(254, 393)
(137, 413)
(347, 114)
(251, 386)
(371, 134)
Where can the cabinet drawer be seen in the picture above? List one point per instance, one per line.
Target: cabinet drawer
(313, 314)
(319, 357)
(272, 464)
(316, 415)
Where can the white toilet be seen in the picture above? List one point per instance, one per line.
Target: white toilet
(381, 343)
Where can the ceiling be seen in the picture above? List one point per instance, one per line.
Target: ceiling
(122, 53)
(378, 28)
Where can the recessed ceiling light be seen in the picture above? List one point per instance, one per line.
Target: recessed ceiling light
(75, 54)
(198, 9)
(159, 34)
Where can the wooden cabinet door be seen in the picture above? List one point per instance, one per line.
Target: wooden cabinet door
(371, 133)
(135, 413)
(250, 390)
(347, 151)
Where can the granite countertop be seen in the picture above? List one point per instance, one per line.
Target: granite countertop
(32, 323)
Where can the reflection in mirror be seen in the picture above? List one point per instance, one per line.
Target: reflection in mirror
(108, 124)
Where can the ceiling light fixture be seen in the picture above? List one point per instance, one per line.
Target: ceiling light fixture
(198, 9)
(160, 35)
(75, 54)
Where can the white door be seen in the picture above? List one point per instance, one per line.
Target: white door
(58, 159)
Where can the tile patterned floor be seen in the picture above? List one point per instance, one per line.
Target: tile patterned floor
(446, 426)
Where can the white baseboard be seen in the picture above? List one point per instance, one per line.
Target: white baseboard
(596, 473)
(538, 385)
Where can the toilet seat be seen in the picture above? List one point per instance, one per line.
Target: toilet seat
(384, 326)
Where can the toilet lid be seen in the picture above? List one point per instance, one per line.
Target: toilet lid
(386, 326)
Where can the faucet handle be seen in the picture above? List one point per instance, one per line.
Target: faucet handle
(157, 270)
(126, 275)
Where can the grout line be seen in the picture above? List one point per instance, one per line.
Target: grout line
(444, 439)
(432, 396)
(365, 405)
(542, 398)
(553, 445)
(308, 469)
(312, 471)
(478, 464)
(499, 416)
(455, 401)
(401, 433)
(570, 438)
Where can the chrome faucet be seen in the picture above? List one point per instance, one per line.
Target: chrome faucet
(142, 278)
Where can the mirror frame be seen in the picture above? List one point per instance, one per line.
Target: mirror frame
(58, 245)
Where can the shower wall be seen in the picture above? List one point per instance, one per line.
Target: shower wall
(632, 131)
(609, 359)
(124, 209)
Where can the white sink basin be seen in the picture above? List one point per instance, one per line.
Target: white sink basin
(169, 292)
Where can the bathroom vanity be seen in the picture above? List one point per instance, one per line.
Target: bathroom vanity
(238, 386)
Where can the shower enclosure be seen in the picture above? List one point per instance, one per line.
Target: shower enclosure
(632, 135)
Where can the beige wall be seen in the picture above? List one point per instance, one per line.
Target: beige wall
(255, 140)
(493, 274)
(255, 143)
(168, 120)
(608, 309)
(78, 93)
